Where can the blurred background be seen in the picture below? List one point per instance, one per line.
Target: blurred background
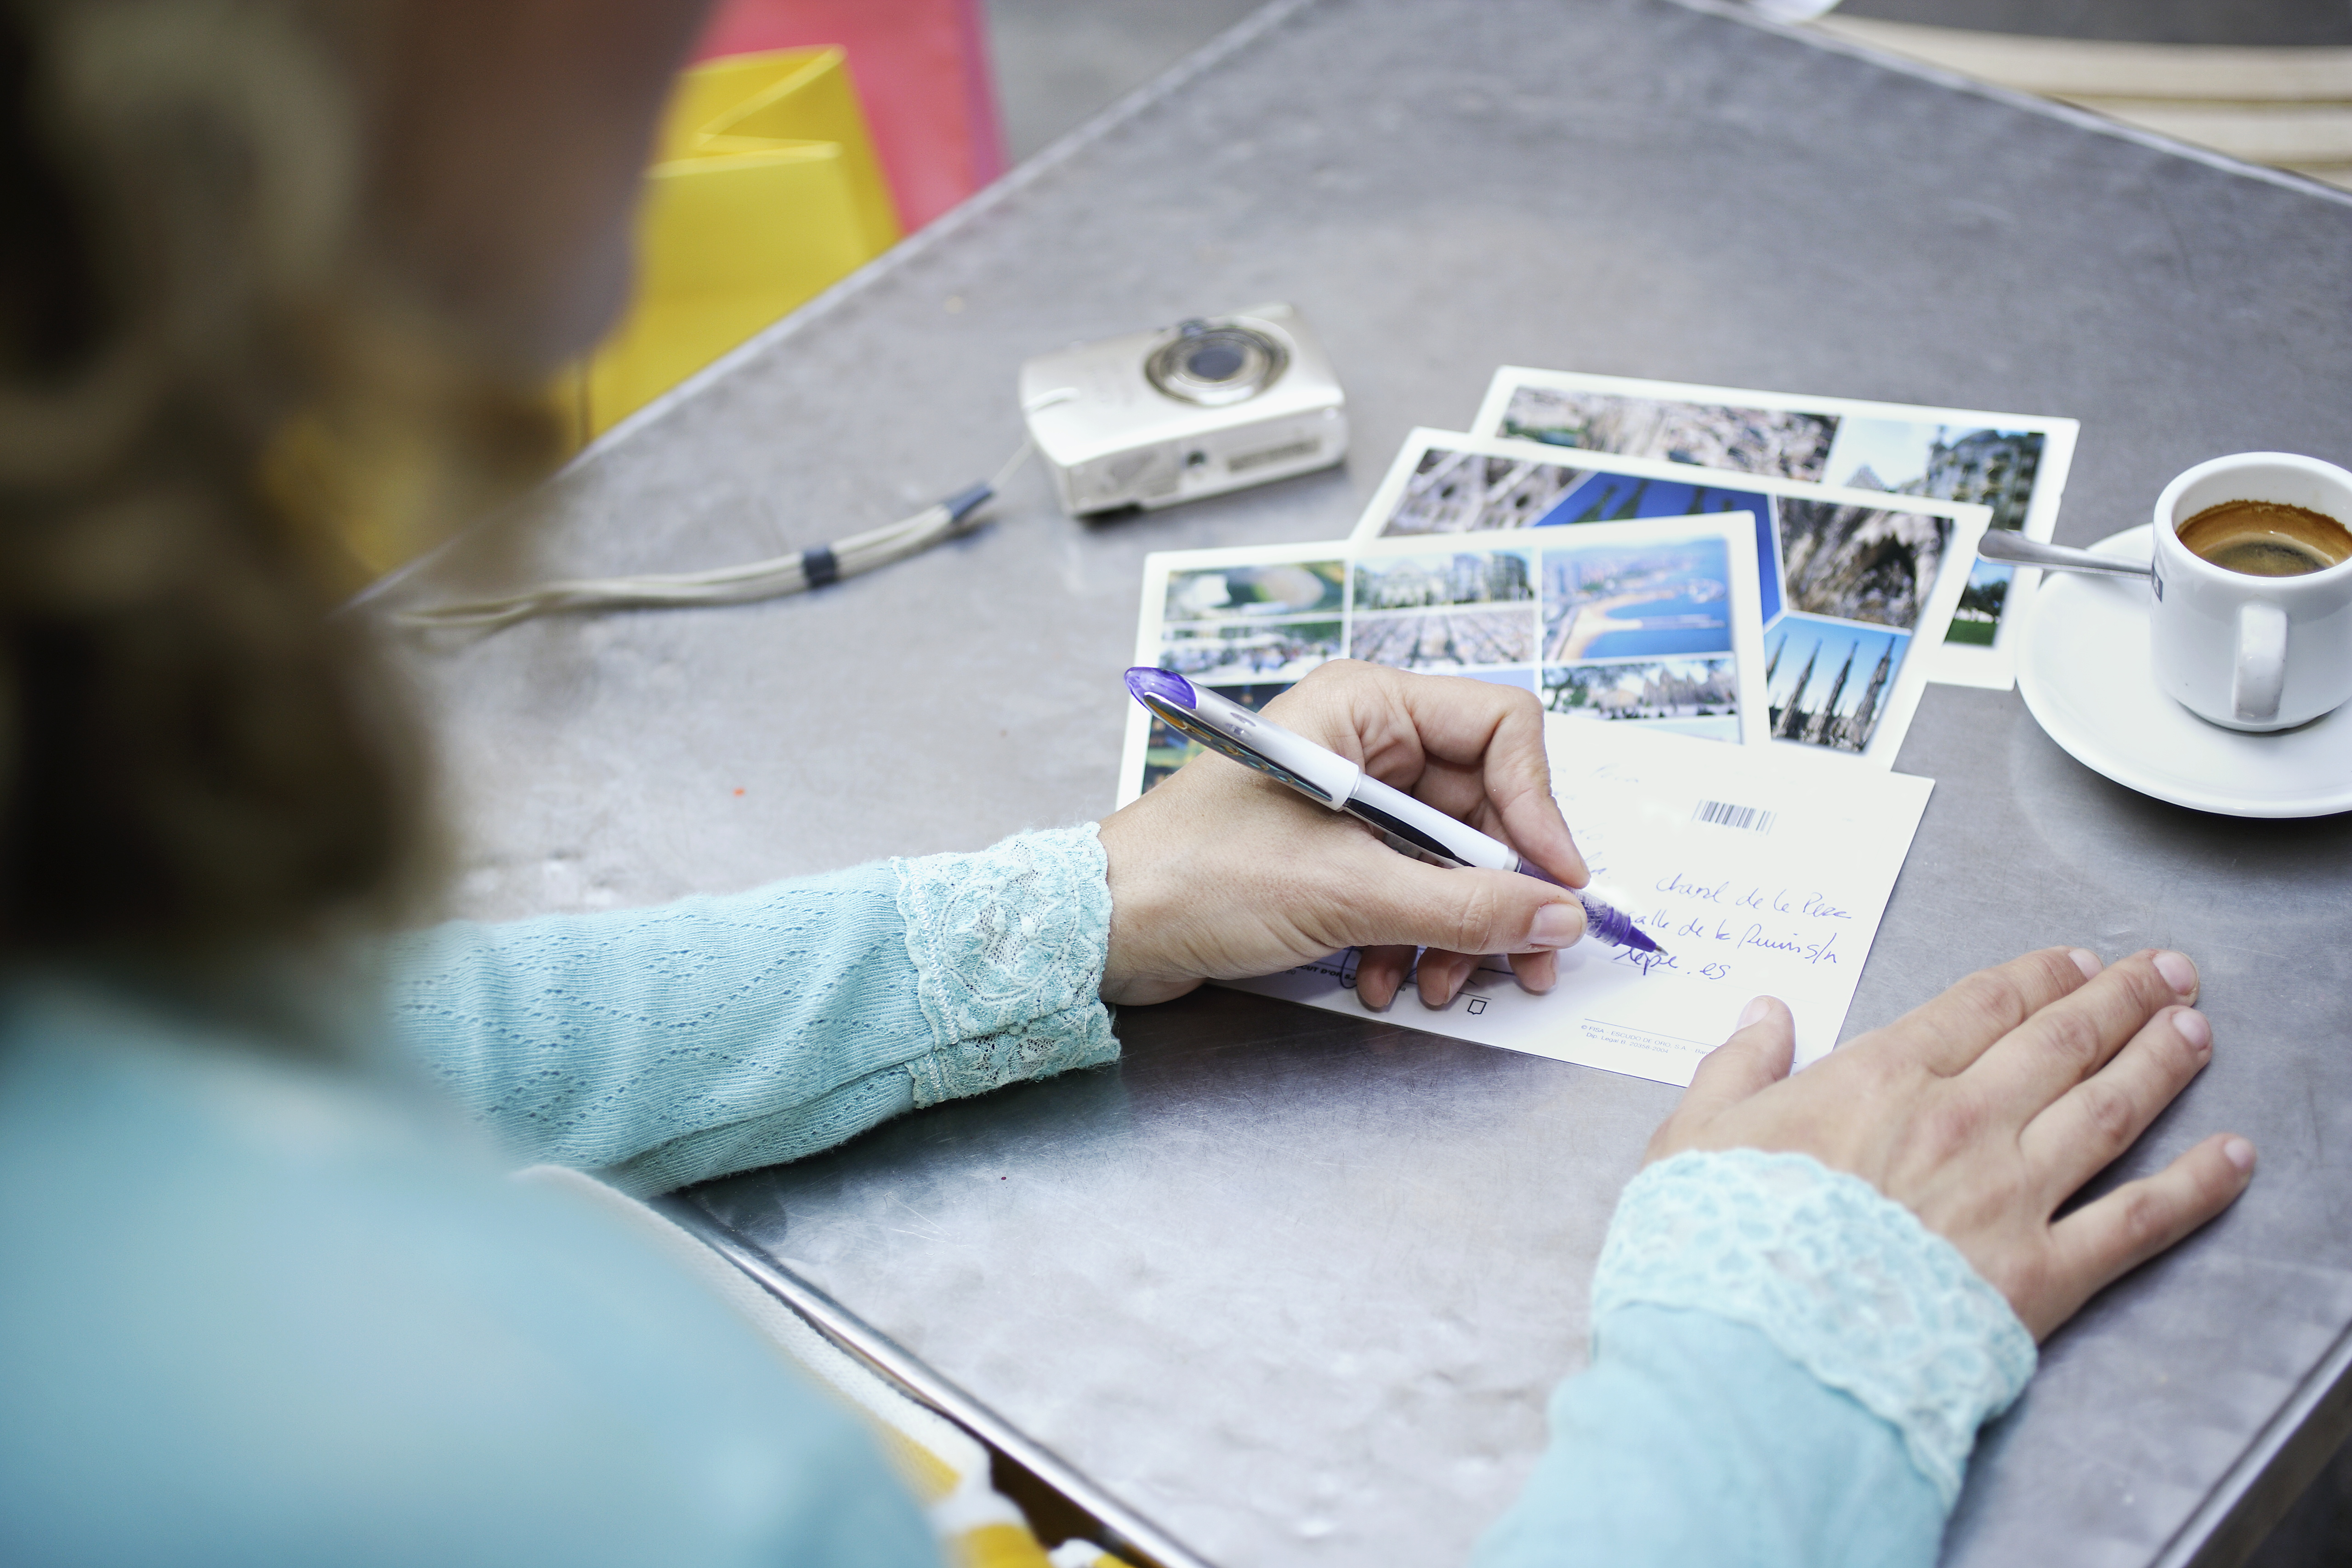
(1059, 62)
(811, 135)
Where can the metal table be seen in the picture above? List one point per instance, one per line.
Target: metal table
(1295, 1285)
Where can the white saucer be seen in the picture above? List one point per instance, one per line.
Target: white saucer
(2083, 671)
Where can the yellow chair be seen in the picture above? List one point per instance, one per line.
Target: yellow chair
(764, 190)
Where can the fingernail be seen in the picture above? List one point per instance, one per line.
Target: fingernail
(2087, 962)
(1556, 925)
(2239, 1153)
(2194, 1027)
(1754, 1012)
(2177, 971)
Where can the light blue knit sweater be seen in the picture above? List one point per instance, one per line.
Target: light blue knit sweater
(259, 1311)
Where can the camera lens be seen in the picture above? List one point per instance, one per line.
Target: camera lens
(1221, 362)
(1217, 364)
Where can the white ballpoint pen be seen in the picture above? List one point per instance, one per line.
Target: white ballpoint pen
(1410, 826)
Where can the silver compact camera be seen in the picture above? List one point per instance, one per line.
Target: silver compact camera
(1196, 409)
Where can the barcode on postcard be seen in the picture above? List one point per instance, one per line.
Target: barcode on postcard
(1723, 814)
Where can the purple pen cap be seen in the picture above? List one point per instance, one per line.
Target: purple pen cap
(1145, 680)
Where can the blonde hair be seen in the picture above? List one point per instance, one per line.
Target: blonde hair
(205, 390)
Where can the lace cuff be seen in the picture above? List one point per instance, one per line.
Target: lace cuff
(1008, 947)
(1847, 1283)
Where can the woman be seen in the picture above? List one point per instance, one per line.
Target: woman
(267, 261)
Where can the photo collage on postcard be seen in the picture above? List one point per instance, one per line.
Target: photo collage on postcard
(1847, 582)
(1248, 623)
(1636, 630)
(1655, 624)
(2015, 465)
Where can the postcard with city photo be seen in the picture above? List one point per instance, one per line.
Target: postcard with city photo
(1829, 679)
(1654, 623)
(1613, 597)
(2014, 463)
(1460, 611)
(1278, 589)
(1687, 696)
(1247, 622)
(1861, 557)
(1470, 492)
(1254, 622)
(1249, 650)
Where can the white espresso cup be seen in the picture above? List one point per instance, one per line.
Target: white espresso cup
(2245, 651)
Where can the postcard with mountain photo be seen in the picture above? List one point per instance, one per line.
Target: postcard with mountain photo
(2015, 464)
(1848, 580)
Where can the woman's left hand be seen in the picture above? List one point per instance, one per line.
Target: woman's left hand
(1220, 872)
(1986, 1110)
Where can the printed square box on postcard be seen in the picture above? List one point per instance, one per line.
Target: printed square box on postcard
(1849, 580)
(2015, 463)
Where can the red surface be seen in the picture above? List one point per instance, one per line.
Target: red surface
(921, 71)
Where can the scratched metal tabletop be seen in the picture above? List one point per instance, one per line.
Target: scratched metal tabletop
(1292, 1284)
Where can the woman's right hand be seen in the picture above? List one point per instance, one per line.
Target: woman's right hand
(1984, 1110)
(1221, 872)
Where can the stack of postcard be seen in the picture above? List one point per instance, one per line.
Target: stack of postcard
(1752, 567)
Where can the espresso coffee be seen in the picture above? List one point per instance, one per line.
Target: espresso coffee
(2267, 539)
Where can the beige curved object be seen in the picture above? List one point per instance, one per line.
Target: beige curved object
(2289, 108)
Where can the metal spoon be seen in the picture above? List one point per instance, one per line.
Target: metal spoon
(2003, 546)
